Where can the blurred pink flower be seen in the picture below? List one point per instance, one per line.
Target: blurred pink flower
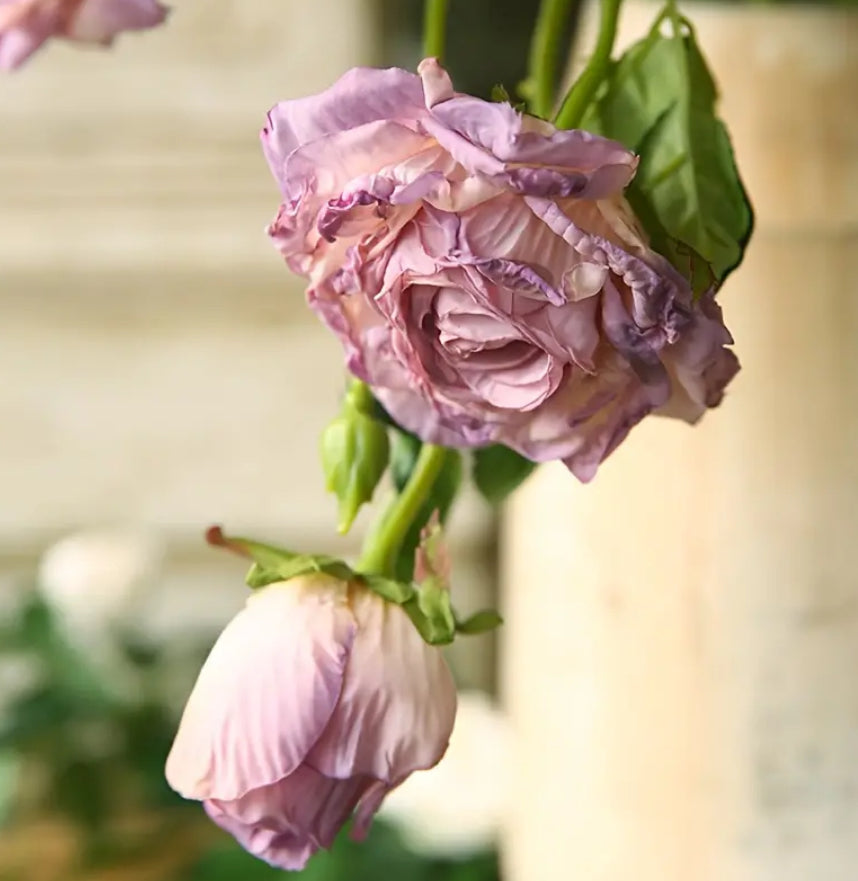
(26, 24)
(483, 270)
(317, 699)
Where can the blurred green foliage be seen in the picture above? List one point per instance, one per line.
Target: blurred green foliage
(382, 856)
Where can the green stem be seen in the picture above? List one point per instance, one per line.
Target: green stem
(382, 546)
(546, 53)
(584, 89)
(435, 28)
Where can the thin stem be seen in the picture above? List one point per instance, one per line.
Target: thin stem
(584, 89)
(382, 547)
(435, 28)
(546, 52)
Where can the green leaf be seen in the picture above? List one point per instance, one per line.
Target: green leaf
(498, 470)
(480, 622)
(660, 102)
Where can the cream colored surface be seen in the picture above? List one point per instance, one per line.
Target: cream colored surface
(159, 365)
(682, 635)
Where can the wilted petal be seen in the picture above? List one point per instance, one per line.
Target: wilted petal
(279, 845)
(280, 822)
(367, 809)
(266, 691)
(699, 365)
(398, 703)
(361, 96)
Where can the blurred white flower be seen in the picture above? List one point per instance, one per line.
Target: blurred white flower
(96, 581)
(456, 808)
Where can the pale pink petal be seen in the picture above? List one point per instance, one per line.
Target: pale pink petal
(396, 711)
(437, 85)
(367, 809)
(278, 844)
(305, 807)
(266, 691)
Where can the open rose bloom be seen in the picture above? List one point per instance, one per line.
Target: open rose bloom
(483, 270)
(317, 699)
(26, 24)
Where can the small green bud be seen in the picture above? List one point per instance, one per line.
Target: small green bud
(355, 451)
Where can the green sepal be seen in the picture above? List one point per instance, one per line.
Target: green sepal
(272, 563)
(480, 622)
(355, 451)
(398, 592)
(298, 564)
(432, 613)
(498, 470)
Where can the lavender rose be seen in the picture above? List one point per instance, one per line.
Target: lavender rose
(483, 270)
(26, 24)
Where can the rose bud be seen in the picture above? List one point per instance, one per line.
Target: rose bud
(483, 270)
(318, 698)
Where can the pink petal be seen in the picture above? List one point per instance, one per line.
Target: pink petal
(280, 845)
(279, 822)
(398, 703)
(368, 808)
(266, 691)
(360, 96)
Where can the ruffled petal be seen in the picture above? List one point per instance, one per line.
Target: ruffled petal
(266, 691)
(699, 365)
(524, 154)
(361, 96)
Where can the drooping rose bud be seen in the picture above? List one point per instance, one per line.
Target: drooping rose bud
(318, 698)
(26, 24)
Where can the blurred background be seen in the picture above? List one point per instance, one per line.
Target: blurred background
(677, 668)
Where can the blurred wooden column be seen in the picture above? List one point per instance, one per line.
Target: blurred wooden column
(681, 654)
